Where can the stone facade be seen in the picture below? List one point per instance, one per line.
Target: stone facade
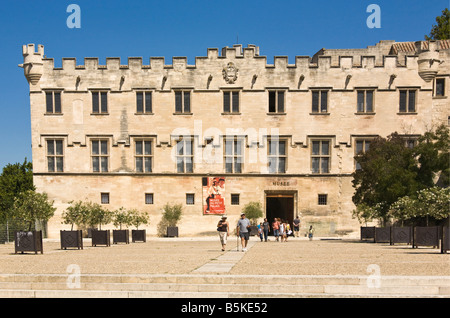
(91, 124)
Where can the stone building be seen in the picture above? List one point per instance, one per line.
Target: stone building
(228, 130)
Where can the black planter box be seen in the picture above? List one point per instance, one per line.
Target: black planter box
(101, 237)
(383, 234)
(29, 241)
(71, 239)
(121, 236)
(368, 233)
(172, 231)
(445, 244)
(401, 235)
(138, 236)
(426, 236)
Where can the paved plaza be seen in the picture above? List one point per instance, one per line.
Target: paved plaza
(176, 260)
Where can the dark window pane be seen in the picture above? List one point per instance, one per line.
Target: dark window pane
(187, 102)
(237, 147)
(59, 147)
(440, 87)
(139, 147)
(57, 102)
(359, 146)
(50, 147)
(324, 165)
(316, 147)
(228, 166)
(139, 102)
(149, 198)
(49, 102)
(315, 165)
(315, 102)
(180, 164)
(105, 198)
(281, 102)
(273, 145)
(95, 103)
(104, 102)
(360, 101)
(51, 164)
(323, 101)
(281, 148)
(178, 103)
(369, 101)
(148, 147)
(189, 198)
(95, 164)
(282, 164)
(235, 102)
(139, 167)
(148, 102)
(59, 164)
(104, 147)
(412, 101)
(226, 102)
(148, 164)
(104, 161)
(95, 147)
(272, 164)
(238, 166)
(325, 148)
(189, 165)
(402, 101)
(272, 102)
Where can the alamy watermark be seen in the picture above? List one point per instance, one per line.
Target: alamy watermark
(74, 19)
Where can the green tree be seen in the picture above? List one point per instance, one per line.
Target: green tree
(388, 172)
(121, 217)
(170, 217)
(98, 215)
(15, 178)
(138, 218)
(253, 210)
(31, 206)
(76, 214)
(441, 30)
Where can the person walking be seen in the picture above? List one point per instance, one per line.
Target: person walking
(310, 232)
(224, 232)
(282, 231)
(288, 230)
(276, 228)
(260, 231)
(266, 226)
(296, 223)
(242, 230)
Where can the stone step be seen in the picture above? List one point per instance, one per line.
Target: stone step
(231, 279)
(104, 285)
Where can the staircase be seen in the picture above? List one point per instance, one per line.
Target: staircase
(218, 286)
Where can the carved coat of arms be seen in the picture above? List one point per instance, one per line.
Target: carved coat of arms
(230, 73)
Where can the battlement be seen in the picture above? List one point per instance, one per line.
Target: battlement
(389, 55)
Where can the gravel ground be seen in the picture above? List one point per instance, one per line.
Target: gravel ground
(183, 255)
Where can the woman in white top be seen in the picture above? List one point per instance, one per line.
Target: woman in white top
(282, 230)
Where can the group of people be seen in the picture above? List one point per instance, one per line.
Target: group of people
(281, 230)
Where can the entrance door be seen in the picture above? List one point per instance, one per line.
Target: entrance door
(279, 206)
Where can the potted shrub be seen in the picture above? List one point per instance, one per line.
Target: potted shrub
(30, 206)
(121, 217)
(98, 216)
(138, 218)
(75, 214)
(253, 211)
(171, 216)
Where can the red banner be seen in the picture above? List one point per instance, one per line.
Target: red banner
(214, 195)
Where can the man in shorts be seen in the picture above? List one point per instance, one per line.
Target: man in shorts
(243, 228)
(296, 226)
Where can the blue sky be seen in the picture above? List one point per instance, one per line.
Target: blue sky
(170, 28)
